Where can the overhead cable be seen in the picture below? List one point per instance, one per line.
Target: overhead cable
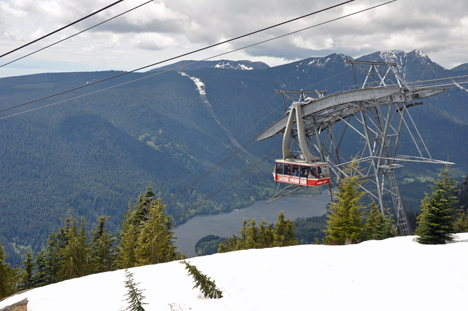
(60, 29)
(247, 171)
(76, 34)
(241, 147)
(188, 53)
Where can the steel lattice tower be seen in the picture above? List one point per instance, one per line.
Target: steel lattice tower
(373, 114)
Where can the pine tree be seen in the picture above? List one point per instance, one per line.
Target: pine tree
(203, 282)
(8, 276)
(76, 254)
(155, 242)
(461, 223)
(103, 253)
(345, 215)
(251, 235)
(26, 276)
(134, 295)
(137, 214)
(126, 257)
(378, 227)
(283, 234)
(265, 235)
(436, 222)
(41, 275)
(56, 243)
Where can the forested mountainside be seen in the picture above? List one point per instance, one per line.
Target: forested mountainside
(92, 154)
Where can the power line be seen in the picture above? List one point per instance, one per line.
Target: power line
(60, 29)
(184, 54)
(76, 34)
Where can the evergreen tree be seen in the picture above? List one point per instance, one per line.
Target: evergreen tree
(8, 276)
(41, 276)
(436, 222)
(203, 282)
(283, 234)
(378, 227)
(265, 235)
(155, 242)
(137, 214)
(251, 235)
(56, 243)
(76, 254)
(126, 257)
(345, 215)
(461, 223)
(134, 295)
(26, 276)
(103, 254)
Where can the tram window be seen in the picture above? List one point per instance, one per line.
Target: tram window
(296, 170)
(287, 169)
(304, 171)
(319, 171)
(312, 173)
(325, 170)
(279, 168)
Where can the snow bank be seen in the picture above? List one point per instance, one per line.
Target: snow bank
(394, 274)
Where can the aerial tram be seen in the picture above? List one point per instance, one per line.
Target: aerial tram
(302, 169)
(301, 173)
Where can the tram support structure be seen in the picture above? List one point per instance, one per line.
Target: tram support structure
(369, 120)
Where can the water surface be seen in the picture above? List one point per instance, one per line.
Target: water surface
(226, 224)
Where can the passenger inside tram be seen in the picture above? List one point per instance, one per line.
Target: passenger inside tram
(279, 168)
(319, 170)
(312, 173)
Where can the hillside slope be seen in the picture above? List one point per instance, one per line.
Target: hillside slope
(393, 274)
(95, 153)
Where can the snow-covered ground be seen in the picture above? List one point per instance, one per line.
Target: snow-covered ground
(394, 274)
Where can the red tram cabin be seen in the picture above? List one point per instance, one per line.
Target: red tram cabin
(301, 173)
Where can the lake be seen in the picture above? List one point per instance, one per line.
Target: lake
(227, 224)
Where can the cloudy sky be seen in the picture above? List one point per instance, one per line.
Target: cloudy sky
(166, 28)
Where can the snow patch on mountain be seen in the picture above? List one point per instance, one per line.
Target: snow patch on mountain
(244, 67)
(319, 62)
(228, 65)
(200, 85)
(398, 57)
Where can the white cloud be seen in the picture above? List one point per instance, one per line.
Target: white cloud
(177, 26)
(154, 41)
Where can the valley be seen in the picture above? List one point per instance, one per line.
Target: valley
(91, 155)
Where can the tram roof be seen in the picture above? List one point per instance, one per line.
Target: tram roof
(300, 162)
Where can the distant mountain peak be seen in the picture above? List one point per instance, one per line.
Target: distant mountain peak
(240, 65)
(412, 65)
(220, 64)
(396, 55)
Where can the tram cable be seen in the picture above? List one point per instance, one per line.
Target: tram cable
(76, 34)
(62, 28)
(224, 161)
(205, 48)
(242, 148)
(241, 175)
